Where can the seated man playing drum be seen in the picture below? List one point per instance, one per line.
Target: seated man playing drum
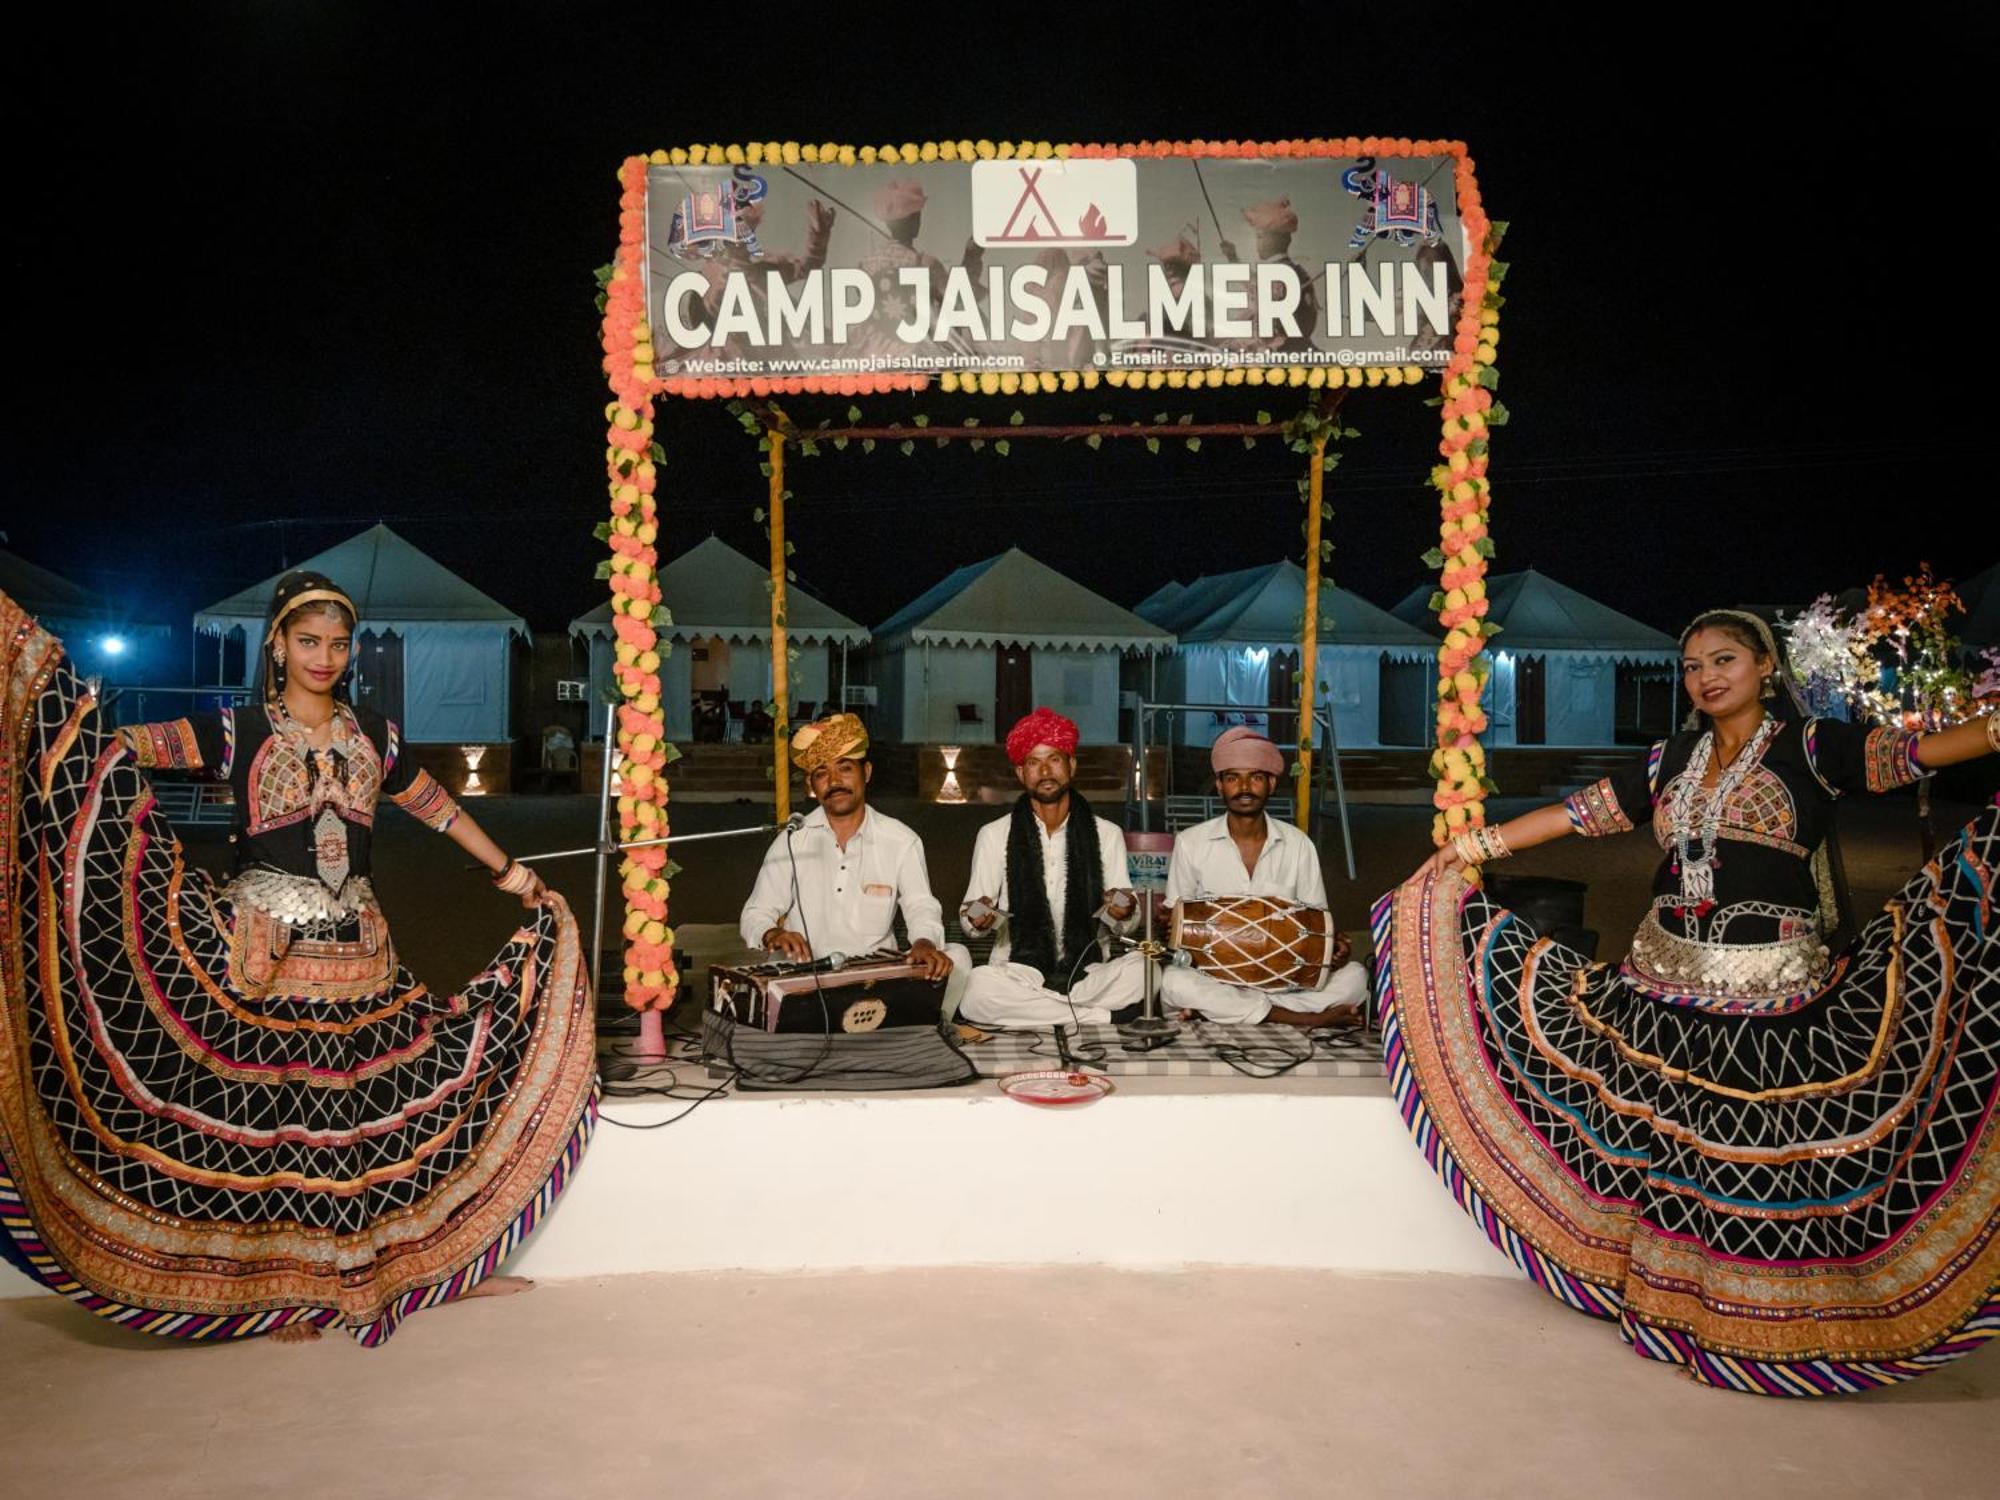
(1048, 880)
(833, 886)
(1247, 853)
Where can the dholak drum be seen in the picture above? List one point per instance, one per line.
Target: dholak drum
(1257, 942)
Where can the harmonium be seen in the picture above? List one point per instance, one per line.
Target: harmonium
(864, 994)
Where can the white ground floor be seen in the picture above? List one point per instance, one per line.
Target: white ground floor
(969, 1382)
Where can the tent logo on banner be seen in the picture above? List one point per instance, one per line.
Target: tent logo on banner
(1041, 203)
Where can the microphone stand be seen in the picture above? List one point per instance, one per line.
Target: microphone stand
(1149, 1025)
(652, 1041)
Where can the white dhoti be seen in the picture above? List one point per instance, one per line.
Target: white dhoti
(955, 982)
(1011, 994)
(1190, 989)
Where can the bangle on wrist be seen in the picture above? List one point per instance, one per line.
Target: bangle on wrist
(1481, 846)
(514, 878)
(1993, 729)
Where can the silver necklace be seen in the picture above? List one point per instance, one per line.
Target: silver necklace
(1696, 814)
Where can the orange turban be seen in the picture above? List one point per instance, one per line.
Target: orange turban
(1275, 216)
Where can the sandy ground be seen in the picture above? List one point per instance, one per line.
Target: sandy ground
(964, 1384)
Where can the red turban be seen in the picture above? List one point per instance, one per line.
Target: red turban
(1275, 216)
(899, 200)
(1042, 727)
(1241, 749)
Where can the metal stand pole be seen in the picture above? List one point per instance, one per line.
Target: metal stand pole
(1139, 728)
(1150, 1023)
(1339, 791)
(603, 852)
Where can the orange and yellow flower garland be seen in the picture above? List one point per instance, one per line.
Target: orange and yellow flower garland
(633, 533)
(1467, 418)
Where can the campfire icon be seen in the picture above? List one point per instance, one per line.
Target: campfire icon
(1076, 218)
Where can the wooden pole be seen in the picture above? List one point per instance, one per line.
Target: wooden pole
(1309, 632)
(781, 711)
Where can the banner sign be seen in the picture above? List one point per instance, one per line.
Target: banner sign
(1052, 265)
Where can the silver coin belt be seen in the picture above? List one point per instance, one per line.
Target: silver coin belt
(300, 900)
(1668, 965)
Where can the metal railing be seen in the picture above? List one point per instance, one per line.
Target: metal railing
(187, 798)
(150, 705)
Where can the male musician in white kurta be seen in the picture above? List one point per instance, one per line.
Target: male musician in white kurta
(852, 867)
(1245, 852)
(1049, 964)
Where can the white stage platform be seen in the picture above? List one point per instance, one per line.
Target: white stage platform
(1165, 1173)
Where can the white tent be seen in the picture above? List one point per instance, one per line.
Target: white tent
(1557, 659)
(720, 602)
(995, 639)
(432, 651)
(1239, 643)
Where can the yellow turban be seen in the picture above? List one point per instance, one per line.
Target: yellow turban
(824, 741)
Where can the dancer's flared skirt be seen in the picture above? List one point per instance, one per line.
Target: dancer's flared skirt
(1795, 1203)
(212, 1126)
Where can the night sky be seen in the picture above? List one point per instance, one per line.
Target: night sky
(280, 271)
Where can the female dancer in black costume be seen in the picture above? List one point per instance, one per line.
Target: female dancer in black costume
(228, 1109)
(1775, 1166)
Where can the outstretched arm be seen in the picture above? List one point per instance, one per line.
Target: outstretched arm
(474, 840)
(1961, 742)
(1542, 826)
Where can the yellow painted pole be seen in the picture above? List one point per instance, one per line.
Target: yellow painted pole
(1309, 632)
(781, 713)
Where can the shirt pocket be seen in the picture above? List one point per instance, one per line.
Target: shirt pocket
(875, 913)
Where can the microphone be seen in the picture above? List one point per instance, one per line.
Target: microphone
(831, 962)
(795, 822)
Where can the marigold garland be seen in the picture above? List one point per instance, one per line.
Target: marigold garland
(631, 459)
(1467, 417)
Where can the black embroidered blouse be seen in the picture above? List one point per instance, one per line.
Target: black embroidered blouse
(299, 809)
(1765, 901)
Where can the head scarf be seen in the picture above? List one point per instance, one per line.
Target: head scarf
(1274, 216)
(899, 200)
(298, 589)
(1756, 623)
(824, 741)
(1042, 727)
(1241, 749)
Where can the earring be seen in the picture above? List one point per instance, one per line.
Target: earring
(1770, 687)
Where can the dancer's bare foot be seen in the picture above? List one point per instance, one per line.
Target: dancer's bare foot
(295, 1333)
(500, 1286)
